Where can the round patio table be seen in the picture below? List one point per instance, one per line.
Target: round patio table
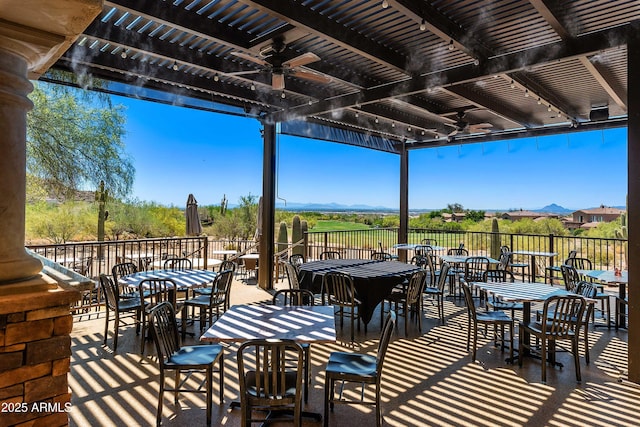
(373, 280)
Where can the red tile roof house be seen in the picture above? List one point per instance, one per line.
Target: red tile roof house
(596, 215)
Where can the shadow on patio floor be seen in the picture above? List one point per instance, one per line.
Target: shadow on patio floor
(428, 380)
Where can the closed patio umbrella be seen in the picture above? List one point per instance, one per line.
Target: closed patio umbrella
(193, 220)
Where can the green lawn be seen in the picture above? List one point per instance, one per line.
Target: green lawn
(338, 226)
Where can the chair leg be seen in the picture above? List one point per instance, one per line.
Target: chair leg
(221, 379)
(106, 325)
(543, 358)
(115, 330)
(378, 406)
(328, 394)
(209, 374)
(576, 357)
(160, 399)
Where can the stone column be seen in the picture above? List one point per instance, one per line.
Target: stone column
(15, 263)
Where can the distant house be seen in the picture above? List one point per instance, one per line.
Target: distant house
(522, 214)
(453, 217)
(589, 218)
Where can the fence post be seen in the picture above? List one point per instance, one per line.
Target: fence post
(551, 249)
(305, 237)
(326, 241)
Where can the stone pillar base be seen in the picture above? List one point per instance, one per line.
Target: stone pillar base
(35, 352)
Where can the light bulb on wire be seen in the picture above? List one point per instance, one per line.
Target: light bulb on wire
(385, 4)
(423, 25)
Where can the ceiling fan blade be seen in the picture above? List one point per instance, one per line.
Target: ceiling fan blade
(304, 59)
(250, 58)
(242, 73)
(277, 81)
(312, 76)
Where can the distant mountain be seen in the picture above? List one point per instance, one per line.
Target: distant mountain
(553, 208)
(331, 207)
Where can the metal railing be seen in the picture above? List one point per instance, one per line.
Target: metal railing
(605, 253)
(91, 259)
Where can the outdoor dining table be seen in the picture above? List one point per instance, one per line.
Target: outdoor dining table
(372, 279)
(524, 292)
(224, 252)
(532, 260)
(609, 277)
(189, 278)
(302, 324)
(413, 246)
(196, 263)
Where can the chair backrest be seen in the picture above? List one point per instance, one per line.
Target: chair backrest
(111, 291)
(572, 254)
(178, 264)
(498, 276)
(423, 250)
(227, 264)
(385, 338)
(474, 268)
(330, 255)
(266, 383)
(587, 290)
(457, 251)
(288, 297)
(221, 289)
(416, 286)
(292, 275)
(504, 249)
(339, 288)
(381, 256)
(579, 263)
(468, 299)
(429, 242)
(155, 291)
(570, 277)
(559, 314)
(123, 269)
(504, 261)
(442, 278)
(296, 260)
(164, 331)
(83, 267)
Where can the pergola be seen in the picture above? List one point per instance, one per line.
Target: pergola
(391, 75)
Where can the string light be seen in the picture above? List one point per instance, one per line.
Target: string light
(451, 45)
(216, 77)
(283, 95)
(409, 129)
(357, 115)
(377, 121)
(513, 85)
(526, 93)
(253, 87)
(385, 4)
(476, 61)
(175, 66)
(310, 101)
(393, 124)
(539, 101)
(423, 25)
(123, 55)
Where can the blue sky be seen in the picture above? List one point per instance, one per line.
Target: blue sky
(177, 151)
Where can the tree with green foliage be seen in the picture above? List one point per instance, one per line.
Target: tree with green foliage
(74, 141)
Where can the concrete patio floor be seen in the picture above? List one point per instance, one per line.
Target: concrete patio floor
(428, 380)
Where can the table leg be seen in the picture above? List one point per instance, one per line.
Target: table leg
(532, 269)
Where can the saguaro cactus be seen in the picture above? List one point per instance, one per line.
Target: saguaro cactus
(495, 239)
(283, 237)
(296, 236)
(623, 233)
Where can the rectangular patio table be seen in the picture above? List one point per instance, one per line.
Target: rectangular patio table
(302, 324)
(524, 292)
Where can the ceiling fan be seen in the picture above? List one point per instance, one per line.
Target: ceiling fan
(272, 61)
(463, 126)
